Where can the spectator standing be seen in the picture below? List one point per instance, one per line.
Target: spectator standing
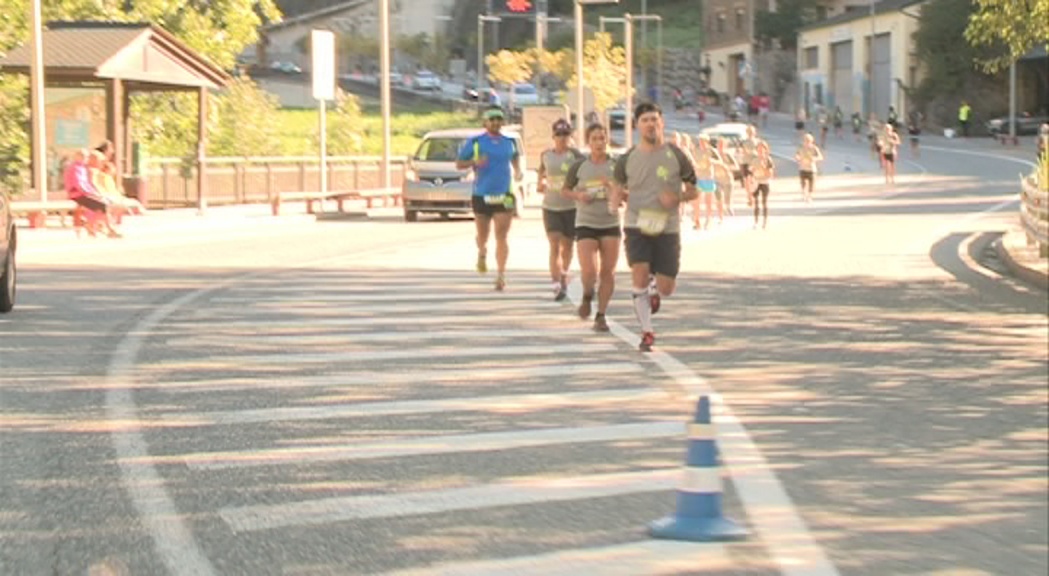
(964, 113)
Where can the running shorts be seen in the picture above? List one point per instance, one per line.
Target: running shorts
(588, 233)
(560, 221)
(662, 252)
(493, 204)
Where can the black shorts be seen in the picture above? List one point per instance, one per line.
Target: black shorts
(806, 176)
(482, 207)
(889, 157)
(662, 252)
(744, 170)
(588, 233)
(560, 221)
(799, 125)
(761, 190)
(92, 204)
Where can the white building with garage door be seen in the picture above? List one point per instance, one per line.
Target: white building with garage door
(839, 65)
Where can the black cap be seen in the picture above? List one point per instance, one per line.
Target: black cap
(562, 127)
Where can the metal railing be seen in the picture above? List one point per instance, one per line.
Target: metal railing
(1034, 210)
(171, 182)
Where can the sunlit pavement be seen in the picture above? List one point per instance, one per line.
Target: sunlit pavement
(238, 393)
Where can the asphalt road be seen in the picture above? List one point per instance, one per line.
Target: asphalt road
(244, 394)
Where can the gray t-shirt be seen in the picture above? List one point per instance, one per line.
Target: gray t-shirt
(556, 165)
(646, 175)
(591, 177)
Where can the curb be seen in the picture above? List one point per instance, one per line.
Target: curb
(1008, 249)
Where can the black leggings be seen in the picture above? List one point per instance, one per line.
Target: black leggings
(761, 201)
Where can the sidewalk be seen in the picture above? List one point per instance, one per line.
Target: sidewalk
(1023, 261)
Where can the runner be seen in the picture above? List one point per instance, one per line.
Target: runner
(914, 129)
(703, 161)
(558, 211)
(763, 171)
(491, 156)
(807, 156)
(824, 124)
(747, 154)
(725, 164)
(597, 229)
(654, 177)
(889, 143)
(839, 121)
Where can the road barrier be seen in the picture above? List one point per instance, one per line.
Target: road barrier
(698, 516)
(1034, 209)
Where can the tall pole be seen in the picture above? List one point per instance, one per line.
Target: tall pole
(324, 147)
(480, 55)
(628, 124)
(579, 102)
(659, 59)
(1012, 101)
(540, 16)
(384, 88)
(36, 94)
(644, 42)
(870, 66)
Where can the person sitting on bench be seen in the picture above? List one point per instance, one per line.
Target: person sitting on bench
(80, 190)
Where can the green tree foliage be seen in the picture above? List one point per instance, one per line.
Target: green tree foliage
(218, 29)
(231, 135)
(1018, 25)
(346, 132)
(604, 71)
(947, 63)
(780, 28)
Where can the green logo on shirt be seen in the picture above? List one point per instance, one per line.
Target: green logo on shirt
(663, 173)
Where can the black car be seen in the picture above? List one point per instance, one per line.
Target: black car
(8, 243)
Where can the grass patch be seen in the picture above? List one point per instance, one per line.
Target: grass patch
(298, 129)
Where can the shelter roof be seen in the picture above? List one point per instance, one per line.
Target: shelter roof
(144, 56)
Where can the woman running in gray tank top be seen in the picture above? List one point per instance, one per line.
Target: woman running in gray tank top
(597, 230)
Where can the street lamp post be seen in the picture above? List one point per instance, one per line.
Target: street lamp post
(580, 103)
(870, 66)
(36, 91)
(481, 19)
(384, 87)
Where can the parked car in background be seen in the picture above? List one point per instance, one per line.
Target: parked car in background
(1026, 125)
(8, 246)
(433, 184)
(523, 95)
(617, 116)
(426, 80)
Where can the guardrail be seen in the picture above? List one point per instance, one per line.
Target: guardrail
(1034, 213)
(171, 182)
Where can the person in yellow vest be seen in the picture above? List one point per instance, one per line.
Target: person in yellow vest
(964, 112)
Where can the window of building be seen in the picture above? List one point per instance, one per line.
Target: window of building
(812, 57)
(721, 23)
(739, 18)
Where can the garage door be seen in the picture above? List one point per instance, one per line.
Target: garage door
(841, 77)
(882, 75)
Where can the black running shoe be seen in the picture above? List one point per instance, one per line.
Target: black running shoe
(600, 324)
(561, 295)
(584, 306)
(647, 340)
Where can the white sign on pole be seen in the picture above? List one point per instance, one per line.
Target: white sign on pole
(322, 44)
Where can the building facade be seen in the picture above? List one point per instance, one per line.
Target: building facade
(860, 62)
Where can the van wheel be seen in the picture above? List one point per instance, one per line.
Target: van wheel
(446, 215)
(411, 215)
(7, 282)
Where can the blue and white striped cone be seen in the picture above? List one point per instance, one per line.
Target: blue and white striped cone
(698, 517)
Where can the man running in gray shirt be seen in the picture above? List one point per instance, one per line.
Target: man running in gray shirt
(654, 177)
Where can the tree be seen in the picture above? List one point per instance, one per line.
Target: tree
(604, 71)
(345, 133)
(781, 27)
(506, 67)
(231, 135)
(1018, 25)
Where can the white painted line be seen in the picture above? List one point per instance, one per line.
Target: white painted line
(380, 379)
(325, 299)
(515, 402)
(980, 155)
(769, 508)
(401, 354)
(573, 332)
(650, 557)
(425, 446)
(470, 307)
(363, 321)
(506, 493)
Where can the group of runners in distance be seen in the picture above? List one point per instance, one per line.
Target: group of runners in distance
(592, 202)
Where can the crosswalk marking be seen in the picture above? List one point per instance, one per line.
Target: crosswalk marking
(650, 557)
(416, 296)
(425, 446)
(437, 376)
(445, 352)
(402, 336)
(404, 407)
(506, 493)
(364, 321)
(474, 309)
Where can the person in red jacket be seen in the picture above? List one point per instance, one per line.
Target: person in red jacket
(81, 190)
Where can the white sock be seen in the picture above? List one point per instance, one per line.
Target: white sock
(643, 309)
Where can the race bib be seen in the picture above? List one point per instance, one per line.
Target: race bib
(652, 222)
(555, 183)
(506, 200)
(597, 191)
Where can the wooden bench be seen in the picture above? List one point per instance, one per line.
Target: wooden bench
(339, 196)
(37, 211)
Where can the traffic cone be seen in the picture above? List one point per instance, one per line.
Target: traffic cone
(698, 517)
